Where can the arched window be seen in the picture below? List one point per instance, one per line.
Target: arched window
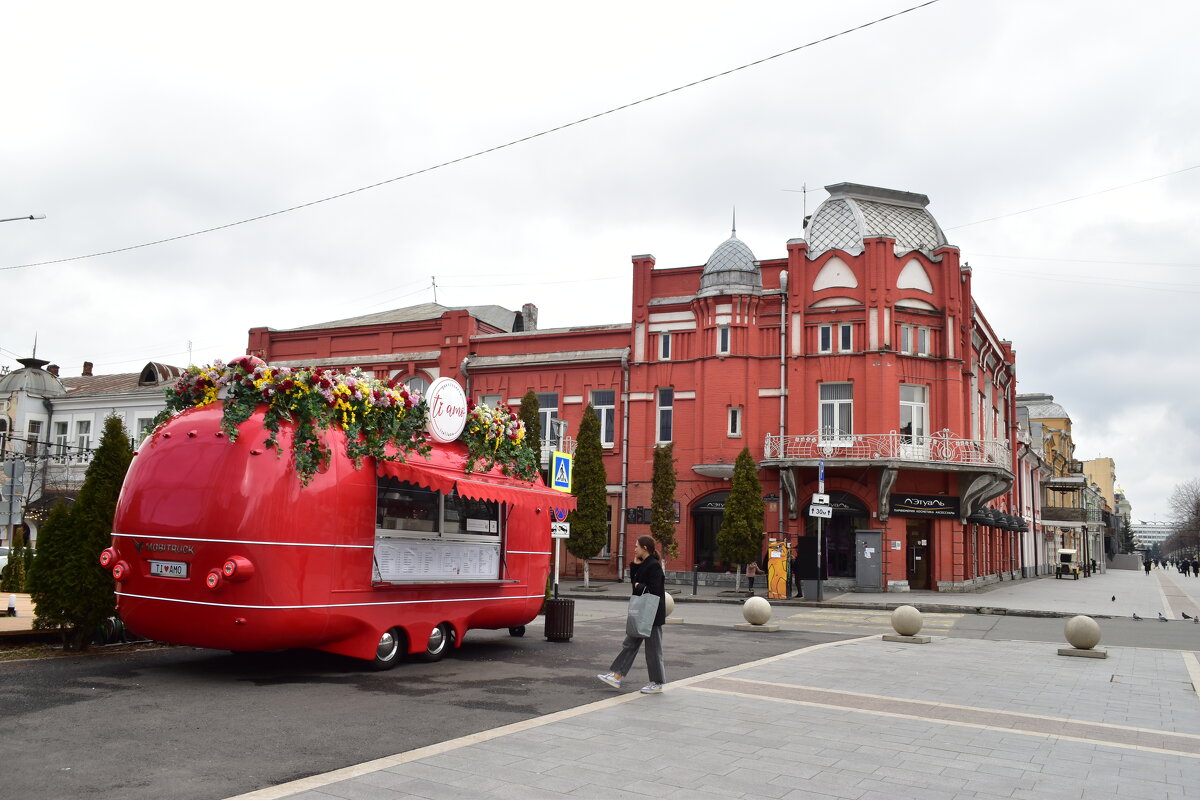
(414, 383)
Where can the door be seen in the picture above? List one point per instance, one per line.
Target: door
(868, 556)
(919, 569)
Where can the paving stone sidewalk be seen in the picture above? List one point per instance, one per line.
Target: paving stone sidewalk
(863, 719)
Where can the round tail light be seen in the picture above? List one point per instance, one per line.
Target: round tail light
(108, 557)
(214, 581)
(121, 571)
(237, 568)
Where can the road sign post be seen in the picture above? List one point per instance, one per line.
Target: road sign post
(820, 531)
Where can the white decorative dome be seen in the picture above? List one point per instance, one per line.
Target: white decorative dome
(731, 269)
(32, 379)
(854, 211)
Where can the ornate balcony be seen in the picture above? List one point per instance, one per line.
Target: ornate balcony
(934, 451)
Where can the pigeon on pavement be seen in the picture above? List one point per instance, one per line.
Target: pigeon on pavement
(1161, 618)
(1186, 615)
(1114, 598)
(1135, 616)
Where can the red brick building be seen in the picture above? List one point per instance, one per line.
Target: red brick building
(861, 350)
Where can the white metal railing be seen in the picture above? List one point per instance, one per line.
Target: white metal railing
(942, 447)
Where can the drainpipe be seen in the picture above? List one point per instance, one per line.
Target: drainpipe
(783, 315)
(624, 465)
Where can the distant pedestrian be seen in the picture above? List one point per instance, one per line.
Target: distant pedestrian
(751, 571)
(647, 577)
(796, 571)
(1195, 568)
(1146, 566)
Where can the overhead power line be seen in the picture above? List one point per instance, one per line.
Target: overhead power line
(1073, 199)
(461, 159)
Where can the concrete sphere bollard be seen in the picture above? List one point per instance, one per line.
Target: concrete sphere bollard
(906, 621)
(668, 604)
(1083, 633)
(756, 610)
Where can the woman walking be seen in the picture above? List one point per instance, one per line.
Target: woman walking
(646, 575)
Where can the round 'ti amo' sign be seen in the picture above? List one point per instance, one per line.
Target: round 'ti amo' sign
(447, 410)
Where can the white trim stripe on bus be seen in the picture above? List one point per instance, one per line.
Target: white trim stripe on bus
(244, 541)
(334, 605)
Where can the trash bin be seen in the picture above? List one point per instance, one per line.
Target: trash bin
(560, 619)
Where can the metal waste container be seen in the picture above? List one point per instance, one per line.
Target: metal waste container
(560, 619)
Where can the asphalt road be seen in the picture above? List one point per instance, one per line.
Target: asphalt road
(196, 725)
(200, 725)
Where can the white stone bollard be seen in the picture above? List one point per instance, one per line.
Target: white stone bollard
(757, 612)
(907, 622)
(1083, 634)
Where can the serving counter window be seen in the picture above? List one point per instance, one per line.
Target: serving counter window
(425, 535)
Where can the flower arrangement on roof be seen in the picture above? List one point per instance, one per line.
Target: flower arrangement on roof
(373, 414)
(381, 419)
(496, 437)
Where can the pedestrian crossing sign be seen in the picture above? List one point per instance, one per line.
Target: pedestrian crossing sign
(560, 472)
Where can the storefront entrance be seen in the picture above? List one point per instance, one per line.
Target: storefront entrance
(706, 521)
(920, 571)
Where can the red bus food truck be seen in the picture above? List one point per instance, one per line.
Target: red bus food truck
(219, 542)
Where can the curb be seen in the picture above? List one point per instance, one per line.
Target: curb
(924, 608)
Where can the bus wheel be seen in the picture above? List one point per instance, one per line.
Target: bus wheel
(517, 631)
(439, 642)
(388, 651)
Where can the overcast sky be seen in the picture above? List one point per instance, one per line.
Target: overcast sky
(127, 123)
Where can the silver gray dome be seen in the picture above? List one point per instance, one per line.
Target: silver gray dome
(731, 269)
(32, 379)
(854, 211)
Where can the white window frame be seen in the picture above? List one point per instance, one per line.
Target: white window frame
(845, 338)
(914, 443)
(665, 418)
(664, 346)
(62, 434)
(546, 416)
(735, 421)
(490, 400)
(914, 340)
(825, 338)
(606, 412)
(835, 415)
(723, 340)
(83, 437)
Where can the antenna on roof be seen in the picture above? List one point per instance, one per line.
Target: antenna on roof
(433, 280)
(735, 222)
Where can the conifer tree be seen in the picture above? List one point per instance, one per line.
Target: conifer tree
(662, 499)
(739, 541)
(70, 590)
(589, 480)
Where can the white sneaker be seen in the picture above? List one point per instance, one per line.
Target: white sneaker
(652, 688)
(611, 679)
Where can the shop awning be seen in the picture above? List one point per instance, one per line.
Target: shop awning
(443, 472)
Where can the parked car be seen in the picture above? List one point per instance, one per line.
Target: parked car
(3, 557)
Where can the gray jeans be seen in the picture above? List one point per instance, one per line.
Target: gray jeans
(654, 656)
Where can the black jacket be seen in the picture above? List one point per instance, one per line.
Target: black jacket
(648, 578)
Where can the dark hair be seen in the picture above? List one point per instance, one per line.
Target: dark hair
(648, 543)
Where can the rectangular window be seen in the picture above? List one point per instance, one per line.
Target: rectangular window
(914, 340)
(606, 551)
(825, 339)
(61, 435)
(735, 421)
(664, 346)
(405, 508)
(666, 402)
(723, 340)
(837, 413)
(83, 437)
(33, 434)
(144, 426)
(490, 400)
(914, 414)
(604, 404)
(547, 413)
(845, 339)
